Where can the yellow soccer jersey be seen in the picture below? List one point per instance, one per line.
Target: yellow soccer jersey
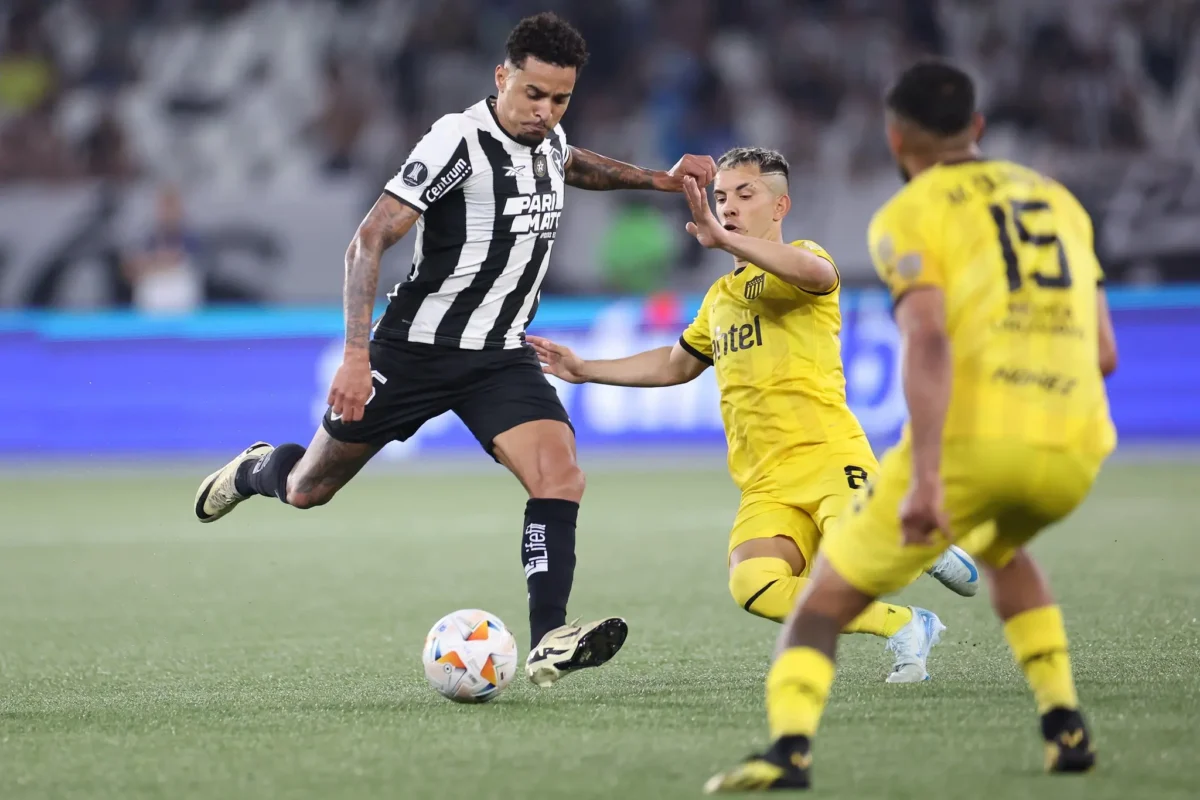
(1012, 251)
(777, 357)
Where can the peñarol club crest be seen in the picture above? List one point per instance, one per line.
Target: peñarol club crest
(754, 286)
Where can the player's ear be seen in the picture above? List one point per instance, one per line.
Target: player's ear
(783, 206)
(895, 139)
(978, 127)
(501, 78)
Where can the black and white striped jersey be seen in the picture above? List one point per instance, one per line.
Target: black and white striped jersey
(489, 214)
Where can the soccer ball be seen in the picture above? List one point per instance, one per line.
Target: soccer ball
(470, 656)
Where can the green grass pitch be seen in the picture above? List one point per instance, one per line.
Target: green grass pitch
(276, 654)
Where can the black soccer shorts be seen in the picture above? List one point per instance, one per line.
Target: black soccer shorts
(491, 391)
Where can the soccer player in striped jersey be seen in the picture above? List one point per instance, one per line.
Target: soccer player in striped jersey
(484, 189)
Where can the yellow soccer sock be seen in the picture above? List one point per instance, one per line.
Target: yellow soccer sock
(881, 619)
(797, 689)
(1039, 643)
(767, 588)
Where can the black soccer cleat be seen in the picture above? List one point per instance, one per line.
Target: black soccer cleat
(1069, 746)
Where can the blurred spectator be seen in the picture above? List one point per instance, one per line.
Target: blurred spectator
(32, 150)
(228, 94)
(342, 119)
(162, 269)
(112, 63)
(105, 149)
(28, 73)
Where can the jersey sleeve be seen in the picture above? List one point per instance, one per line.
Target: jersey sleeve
(438, 165)
(817, 250)
(1082, 224)
(900, 252)
(697, 337)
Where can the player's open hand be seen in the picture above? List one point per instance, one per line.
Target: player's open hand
(557, 360)
(922, 513)
(704, 225)
(702, 169)
(351, 389)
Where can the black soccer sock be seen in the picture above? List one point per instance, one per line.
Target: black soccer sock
(268, 475)
(548, 552)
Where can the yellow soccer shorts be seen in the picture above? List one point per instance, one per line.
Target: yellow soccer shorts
(998, 495)
(805, 495)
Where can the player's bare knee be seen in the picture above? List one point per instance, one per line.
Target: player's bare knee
(560, 482)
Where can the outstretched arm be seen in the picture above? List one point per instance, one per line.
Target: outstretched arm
(588, 170)
(663, 366)
(798, 266)
(386, 223)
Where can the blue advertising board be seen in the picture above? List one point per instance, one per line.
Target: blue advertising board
(113, 384)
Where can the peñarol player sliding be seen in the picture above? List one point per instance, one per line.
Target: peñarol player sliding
(1005, 338)
(770, 330)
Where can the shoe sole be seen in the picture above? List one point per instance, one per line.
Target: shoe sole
(1072, 762)
(206, 487)
(967, 589)
(785, 784)
(595, 648)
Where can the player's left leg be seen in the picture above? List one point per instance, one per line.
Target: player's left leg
(768, 573)
(516, 415)
(541, 455)
(1034, 628)
(1049, 485)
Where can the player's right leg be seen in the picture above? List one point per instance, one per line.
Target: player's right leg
(862, 558)
(798, 685)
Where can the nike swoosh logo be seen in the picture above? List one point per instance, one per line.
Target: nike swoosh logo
(966, 563)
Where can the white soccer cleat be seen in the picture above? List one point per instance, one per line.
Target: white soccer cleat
(912, 644)
(572, 647)
(956, 571)
(218, 495)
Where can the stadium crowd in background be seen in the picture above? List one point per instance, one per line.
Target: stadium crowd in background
(295, 91)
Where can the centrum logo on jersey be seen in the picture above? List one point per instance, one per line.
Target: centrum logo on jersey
(534, 213)
(450, 178)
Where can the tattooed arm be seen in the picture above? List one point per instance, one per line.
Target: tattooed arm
(588, 170)
(387, 222)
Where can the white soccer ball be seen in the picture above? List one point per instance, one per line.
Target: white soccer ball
(470, 656)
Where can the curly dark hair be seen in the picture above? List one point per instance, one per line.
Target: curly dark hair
(935, 95)
(549, 38)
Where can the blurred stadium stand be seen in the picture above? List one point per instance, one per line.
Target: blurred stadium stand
(178, 156)
(268, 127)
